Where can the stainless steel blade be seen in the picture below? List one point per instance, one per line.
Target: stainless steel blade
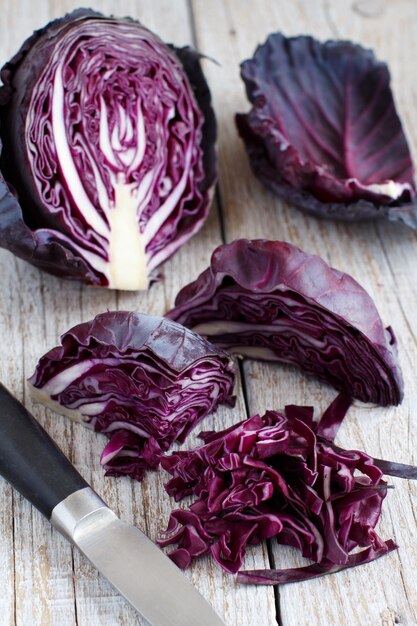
(138, 569)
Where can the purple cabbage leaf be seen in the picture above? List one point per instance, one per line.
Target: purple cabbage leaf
(108, 159)
(144, 381)
(277, 476)
(323, 132)
(270, 300)
(298, 574)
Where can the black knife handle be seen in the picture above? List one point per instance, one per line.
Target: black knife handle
(31, 461)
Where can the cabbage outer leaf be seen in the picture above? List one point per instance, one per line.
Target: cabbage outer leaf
(323, 132)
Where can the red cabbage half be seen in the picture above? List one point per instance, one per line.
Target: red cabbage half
(144, 381)
(323, 132)
(280, 476)
(270, 300)
(108, 150)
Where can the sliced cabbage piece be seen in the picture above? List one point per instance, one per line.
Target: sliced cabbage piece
(277, 476)
(144, 381)
(270, 300)
(108, 154)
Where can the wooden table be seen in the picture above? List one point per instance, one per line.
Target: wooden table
(43, 582)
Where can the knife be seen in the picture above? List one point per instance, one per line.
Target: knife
(35, 466)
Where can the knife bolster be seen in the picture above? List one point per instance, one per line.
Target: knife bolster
(77, 510)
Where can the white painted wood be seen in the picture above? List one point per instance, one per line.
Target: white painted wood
(43, 581)
(381, 257)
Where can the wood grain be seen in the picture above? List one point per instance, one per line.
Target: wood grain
(381, 257)
(43, 581)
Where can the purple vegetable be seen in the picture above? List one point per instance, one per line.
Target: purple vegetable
(143, 381)
(277, 476)
(298, 574)
(270, 300)
(323, 132)
(108, 150)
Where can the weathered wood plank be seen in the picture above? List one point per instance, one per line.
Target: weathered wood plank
(55, 585)
(10, 371)
(380, 256)
(36, 308)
